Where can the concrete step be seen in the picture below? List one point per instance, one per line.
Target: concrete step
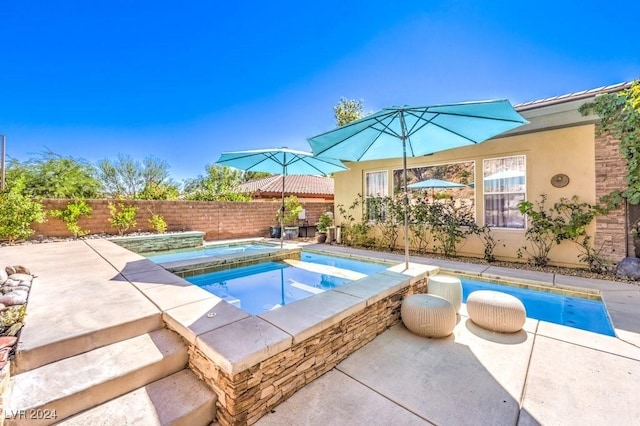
(177, 400)
(32, 354)
(71, 385)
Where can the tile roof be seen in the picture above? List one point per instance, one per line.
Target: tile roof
(572, 96)
(294, 184)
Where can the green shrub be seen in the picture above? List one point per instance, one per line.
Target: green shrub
(292, 209)
(122, 217)
(158, 223)
(388, 220)
(447, 221)
(419, 234)
(355, 233)
(72, 214)
(324, 222)
(541, 232)
(488, 240)
(566, 220)
(17, 213)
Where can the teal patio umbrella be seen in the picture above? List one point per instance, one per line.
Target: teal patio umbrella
(281, 161)
(415, 131)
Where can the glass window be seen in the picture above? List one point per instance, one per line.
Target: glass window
(504, 182)
(375, 186)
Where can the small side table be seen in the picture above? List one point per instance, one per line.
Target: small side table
(448, 287)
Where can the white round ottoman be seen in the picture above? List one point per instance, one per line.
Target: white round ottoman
(428, 315)
(448, 287)
(496, 311)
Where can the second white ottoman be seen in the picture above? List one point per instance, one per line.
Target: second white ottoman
(448, 287)
(496, 311)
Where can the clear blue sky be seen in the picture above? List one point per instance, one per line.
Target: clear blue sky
(185, 81)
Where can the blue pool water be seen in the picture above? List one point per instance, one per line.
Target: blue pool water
(269, 285)
(259, 288)
(585, 314)
(207, 251)
(367, 268)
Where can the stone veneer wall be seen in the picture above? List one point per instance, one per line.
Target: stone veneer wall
(151, 243)
(218, 220)
(611, 168)
(245, 397)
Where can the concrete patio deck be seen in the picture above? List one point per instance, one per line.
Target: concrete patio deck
(545, 374)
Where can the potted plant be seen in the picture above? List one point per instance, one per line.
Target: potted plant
(292, 209)
(324, 222)
(274, 231)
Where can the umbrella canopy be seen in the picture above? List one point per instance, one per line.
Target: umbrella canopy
(414, 131)
(506, 174)
(281, 161)
(434, 183)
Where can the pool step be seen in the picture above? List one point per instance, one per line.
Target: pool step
(30, 356)
(179, 399)
(75, 384)
(325, 269)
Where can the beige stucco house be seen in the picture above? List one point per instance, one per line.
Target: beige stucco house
(557, 154)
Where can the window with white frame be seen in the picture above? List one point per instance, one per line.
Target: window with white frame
(376, 185)
(504, 184)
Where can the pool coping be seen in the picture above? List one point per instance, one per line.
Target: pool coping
(606, 291)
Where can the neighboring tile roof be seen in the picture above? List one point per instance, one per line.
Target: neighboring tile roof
(571, 96)
(294, 185)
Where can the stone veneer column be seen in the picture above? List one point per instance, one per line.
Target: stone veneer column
(611, 168)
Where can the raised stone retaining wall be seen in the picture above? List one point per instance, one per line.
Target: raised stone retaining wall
(246, 396)
(158, 242)
(192, 267)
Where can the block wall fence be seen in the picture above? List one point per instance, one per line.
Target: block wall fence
(218, 220)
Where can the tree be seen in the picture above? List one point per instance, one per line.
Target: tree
(620, 115)
(221, 183)
(128, 178)
(348, 110)
(249, 176)
(53, 176)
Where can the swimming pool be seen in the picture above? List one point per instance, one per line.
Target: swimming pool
(270, 285)
(207, 251)
(576, 312)
(364, 267)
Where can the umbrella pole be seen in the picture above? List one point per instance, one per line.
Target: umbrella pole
(282, 211)
(405, 195)
(405, 202)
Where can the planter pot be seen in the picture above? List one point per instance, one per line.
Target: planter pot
(321, 237)
(274, 232)
(291, 232)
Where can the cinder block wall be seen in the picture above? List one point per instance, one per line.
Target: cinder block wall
(218, 220)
